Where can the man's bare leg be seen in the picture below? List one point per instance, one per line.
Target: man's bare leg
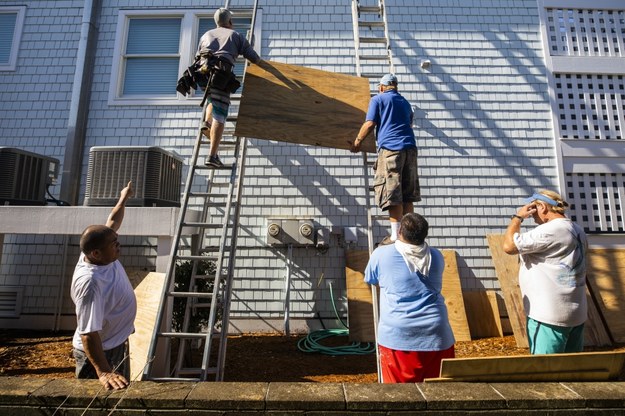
(217, 130)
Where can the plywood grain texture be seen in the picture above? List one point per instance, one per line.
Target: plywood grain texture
(302, 105)
(584, 366)
(148, 294)
(359, 297)
(483, 314)
(606, 277)
(507, 270)
(452, 292)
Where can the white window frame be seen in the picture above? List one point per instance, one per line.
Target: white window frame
(20, 12)
(188, 47)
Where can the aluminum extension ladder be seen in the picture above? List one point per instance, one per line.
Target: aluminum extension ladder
(210, 258)
(374, 58)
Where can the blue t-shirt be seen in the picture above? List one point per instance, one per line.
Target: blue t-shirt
(413, 315)
(392, 115)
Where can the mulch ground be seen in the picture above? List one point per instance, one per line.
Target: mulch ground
(250, 357)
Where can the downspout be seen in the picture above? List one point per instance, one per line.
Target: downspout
(77, 126)
(79, 106)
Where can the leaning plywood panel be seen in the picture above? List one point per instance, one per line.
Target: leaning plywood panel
(584, 366)
(148, 294)
(483, 314)
(359, 298)
(303, 105)
(452, 292)
(507, 269)
(606, 276)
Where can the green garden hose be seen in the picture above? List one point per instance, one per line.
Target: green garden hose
(311, 342)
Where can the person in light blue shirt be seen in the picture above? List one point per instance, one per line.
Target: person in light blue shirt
(396, 180)
(414, 334)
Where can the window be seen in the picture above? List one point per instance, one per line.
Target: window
(153, 50)
(11, 22)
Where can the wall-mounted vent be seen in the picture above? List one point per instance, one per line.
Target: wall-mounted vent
(11, 301)
(24, 176)
(155, 173)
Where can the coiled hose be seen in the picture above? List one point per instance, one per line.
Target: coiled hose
(312, 342)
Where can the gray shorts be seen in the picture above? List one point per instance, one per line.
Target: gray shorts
(396, 180)
(117, 357)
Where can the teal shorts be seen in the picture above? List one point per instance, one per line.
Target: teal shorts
(552, 339)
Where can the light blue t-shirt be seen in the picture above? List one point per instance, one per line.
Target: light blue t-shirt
(413, 315)
(392, 115)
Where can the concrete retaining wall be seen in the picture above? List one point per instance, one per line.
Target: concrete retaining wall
(30, 396)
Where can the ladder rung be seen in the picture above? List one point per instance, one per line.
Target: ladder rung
(214, 249)
(191, 294)
(202, 225)
(373, 57)
(371, 24)
(369, 9)
(197, 258)
(372, 40)
(187, 335)
(200, 305)
(371, 75)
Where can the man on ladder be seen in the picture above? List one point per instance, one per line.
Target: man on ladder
(396, 181)
(224, 44)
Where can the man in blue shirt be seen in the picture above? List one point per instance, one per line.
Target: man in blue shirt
(414, 334)
(396, 181)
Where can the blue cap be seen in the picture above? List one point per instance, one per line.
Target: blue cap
(388, 79)
(541, 197)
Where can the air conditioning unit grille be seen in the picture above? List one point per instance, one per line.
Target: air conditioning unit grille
(24, 176)
(155, 173)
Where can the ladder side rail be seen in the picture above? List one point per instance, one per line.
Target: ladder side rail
(389, 51)
(241, 154)
(225, 323)
(190, 301)
(169, 277)
(355, 19)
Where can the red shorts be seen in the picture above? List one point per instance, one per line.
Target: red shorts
(411, 366)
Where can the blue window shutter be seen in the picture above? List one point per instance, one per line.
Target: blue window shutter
(151, 76)
(7, 30)
(153, 36)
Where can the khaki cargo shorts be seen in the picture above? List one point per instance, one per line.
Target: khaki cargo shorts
(396, 179)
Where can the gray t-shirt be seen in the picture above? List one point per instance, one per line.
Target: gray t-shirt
(228, 44)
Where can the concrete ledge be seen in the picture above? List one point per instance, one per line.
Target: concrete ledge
(28, 396)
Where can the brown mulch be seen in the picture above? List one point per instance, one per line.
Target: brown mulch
(250, 357)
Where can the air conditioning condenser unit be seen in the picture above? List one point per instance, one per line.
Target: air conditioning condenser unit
(156, 175)
(24, 176)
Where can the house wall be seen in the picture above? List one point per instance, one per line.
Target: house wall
(482, 123)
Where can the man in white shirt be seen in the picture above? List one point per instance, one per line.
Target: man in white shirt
(552, 274)
(105, 303)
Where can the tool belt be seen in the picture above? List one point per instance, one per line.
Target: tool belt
(208, 71)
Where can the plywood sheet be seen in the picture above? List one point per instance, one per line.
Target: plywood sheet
(452, 292)
(507, 270)
(585, 366)
(483, 314)
(606, 276)
(302, 105)
(148, 294)
(359, 298)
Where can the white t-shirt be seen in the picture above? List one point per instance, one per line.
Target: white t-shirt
(105, 302)
(552, 275)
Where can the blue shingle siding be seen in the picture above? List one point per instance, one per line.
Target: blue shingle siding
(483, 127)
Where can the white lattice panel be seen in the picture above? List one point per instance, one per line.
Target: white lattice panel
(590, 106)
(597, 201)
(585, 32)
